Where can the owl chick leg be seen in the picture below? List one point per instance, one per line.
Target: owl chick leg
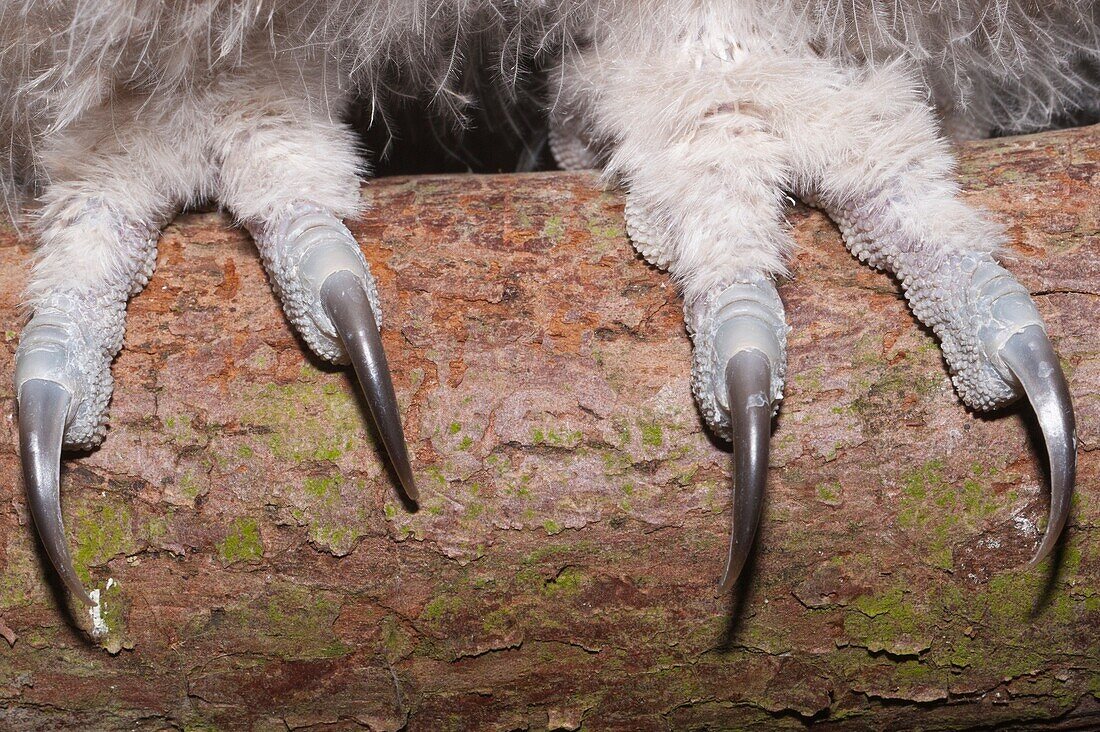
(878, 166)
(732, 308)
(705, 183)
(706, 124)
(291, 176)
(114, 184)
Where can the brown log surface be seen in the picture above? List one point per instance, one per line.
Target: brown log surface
(561, 569)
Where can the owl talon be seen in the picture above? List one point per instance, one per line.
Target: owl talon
(740, 359)
(1012, 357)
(57, 405)
(331, 298)
(1031, 359)
(346, 304)
(748, 381)
(44, 409)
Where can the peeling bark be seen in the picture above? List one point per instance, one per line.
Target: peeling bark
(561, 569)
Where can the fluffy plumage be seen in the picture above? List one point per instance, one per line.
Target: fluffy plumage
(1008, 64)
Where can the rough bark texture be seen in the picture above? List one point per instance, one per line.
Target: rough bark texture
(260, 570)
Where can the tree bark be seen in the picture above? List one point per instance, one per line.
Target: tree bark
(259, 569)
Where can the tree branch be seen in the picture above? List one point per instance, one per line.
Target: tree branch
(562, 566)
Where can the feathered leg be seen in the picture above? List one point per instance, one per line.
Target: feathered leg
(687, 133)
(879, 168)
(114, 184)
(289, 173)
(706, 127)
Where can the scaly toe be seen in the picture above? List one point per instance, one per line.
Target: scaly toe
(331, 298)
(998, 351)
(740, 358)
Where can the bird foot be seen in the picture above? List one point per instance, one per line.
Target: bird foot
(63, 379)
(993, 340)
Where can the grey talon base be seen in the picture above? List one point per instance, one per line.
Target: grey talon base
(740, 336)
(746, 315)
(55, 348)
(300, 248)
(974, 306)
(74, 335)
(329, 295)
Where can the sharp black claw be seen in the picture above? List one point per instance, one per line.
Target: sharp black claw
(1032, 360)
(43, 409)
(749, 383)
(346, 303)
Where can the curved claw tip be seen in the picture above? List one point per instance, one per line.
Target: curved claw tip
(748, 381)
(347, 305)
(43, 409)
(1032, 360)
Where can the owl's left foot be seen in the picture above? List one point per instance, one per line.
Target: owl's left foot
(992, 337)
(62, 373)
